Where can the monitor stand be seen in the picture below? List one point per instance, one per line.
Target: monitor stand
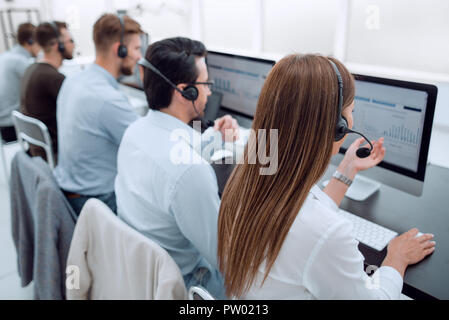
(361, 189)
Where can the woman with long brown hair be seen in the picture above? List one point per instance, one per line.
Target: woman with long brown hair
(279, 235)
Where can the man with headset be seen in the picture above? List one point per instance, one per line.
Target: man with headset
(165, 187)
(93, 114)
(13, 64)
(42, 80)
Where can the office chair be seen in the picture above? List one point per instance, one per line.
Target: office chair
(116, 262)
(3, 158)
(35, 132)
(199, 293)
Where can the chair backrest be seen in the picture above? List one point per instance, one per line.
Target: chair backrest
(3, 159)
(35, 132)
(117, 262)
(199, 293)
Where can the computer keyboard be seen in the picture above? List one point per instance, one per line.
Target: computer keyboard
(369, 233)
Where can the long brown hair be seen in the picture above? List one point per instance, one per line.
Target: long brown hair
(300, 100)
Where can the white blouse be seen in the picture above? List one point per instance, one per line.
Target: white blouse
(320, 260)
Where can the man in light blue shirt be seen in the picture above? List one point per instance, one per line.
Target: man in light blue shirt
(165, 187)
(13, 65)
(92, 114)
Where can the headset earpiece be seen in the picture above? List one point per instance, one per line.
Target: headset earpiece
(122, 51)
(341, 129)
(30, 41)
(190, 93)
(61, 47)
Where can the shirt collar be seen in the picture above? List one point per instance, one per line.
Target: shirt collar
(22, 51)
(166, 121)
(105, 74)
(171, 123)
(323, 198)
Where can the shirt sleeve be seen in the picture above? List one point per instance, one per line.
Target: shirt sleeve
(336, 270)
(22, 65)
(116, 119)
(53, 83)
(195, 205)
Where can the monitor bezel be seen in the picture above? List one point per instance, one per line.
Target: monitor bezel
(432, 92)
(237, 56)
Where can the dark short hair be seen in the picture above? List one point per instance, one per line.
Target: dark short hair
(26, 33)
(108, 30)
(176, 59)
(46, 34)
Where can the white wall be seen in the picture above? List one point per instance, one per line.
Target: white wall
(299, 26)
(411, 34)
(81, 16)
(406, 39)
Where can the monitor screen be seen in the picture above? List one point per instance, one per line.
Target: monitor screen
(401, 112)
(239, 79)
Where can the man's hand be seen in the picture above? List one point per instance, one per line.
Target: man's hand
(228, 127)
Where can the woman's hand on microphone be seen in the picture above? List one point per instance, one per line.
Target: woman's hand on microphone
(352, 164)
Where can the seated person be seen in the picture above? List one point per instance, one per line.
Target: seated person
(42, 81)
(279, 235)
(93, 114)
(13, 64)
(165, 186)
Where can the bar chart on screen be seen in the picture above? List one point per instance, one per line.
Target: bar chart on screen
(399, 124)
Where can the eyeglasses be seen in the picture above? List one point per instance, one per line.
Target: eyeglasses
(209, 83)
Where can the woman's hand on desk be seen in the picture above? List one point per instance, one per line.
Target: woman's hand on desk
(228, 127)
(352, 164)
(408, 249)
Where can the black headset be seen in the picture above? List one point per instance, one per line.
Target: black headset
(61, 46)
(122, 49)
(342, 129)
(30, 41)
(190, 93)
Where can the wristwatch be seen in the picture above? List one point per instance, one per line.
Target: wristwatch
(340, 177)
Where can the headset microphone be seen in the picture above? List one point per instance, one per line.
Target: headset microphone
(362, 153)
(341, 130)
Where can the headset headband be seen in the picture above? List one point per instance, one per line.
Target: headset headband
(61, 46)
(341, 128)
(145, 63)
(340, 87)
(122, 29)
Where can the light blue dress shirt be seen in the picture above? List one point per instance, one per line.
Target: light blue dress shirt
(92, 117)
(166, 190)
(13, 65)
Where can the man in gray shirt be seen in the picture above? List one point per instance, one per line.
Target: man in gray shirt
(13, 64)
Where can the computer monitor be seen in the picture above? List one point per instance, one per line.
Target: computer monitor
(135, 80)
(240, 79)
(401, 112)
